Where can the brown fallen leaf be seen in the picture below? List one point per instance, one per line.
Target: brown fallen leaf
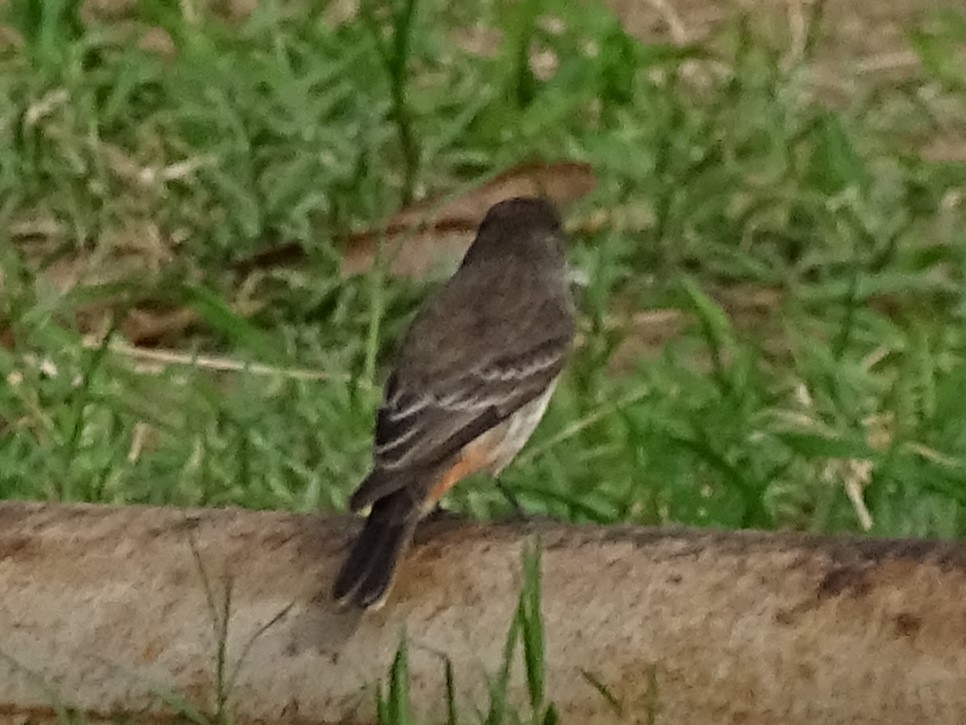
(415, 239)
(150, 327)
(110, 264)
(750, 307)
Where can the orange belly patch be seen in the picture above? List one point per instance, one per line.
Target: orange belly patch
(474, 458)
(493, 450)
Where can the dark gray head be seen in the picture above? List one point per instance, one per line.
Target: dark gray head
(523, 225)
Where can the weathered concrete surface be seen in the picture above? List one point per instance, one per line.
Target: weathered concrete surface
(107, 608)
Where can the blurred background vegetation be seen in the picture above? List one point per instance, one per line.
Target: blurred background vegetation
(768, 209)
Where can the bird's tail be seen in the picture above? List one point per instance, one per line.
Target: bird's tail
(368, 572)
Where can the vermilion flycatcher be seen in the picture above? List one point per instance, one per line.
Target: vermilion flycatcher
(473, 378)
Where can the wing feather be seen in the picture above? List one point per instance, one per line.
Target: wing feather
(418, 429)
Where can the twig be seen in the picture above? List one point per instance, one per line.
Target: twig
(165, 358)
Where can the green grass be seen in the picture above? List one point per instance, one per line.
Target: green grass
(524, 641)
(283, 128)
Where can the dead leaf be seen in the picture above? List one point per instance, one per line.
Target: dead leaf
(428, 232)
(147, 327)
(750, 307)
(418, 237)
(560, 182)
(413, 252)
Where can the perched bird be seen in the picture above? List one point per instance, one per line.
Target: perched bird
(473, 377)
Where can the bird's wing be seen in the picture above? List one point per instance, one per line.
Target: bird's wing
(422, 424)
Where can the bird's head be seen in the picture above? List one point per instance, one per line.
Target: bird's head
(523, 225)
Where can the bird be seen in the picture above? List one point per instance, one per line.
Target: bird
(472, 378)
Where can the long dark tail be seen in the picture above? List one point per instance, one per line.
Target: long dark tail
(368, 572)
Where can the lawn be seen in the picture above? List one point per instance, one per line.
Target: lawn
(772, 314)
